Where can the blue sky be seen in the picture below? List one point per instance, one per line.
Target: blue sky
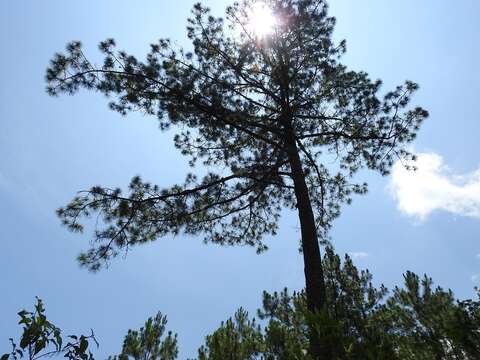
(52, 147)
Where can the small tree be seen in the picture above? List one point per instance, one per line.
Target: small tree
(236, 339)
(40, 338)
(149, 343)
(271, 111)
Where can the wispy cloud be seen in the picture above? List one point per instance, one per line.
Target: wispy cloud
(475, 278)
(435, 187)
(357, 255)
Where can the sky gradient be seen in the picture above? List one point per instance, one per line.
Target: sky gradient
(52, 147)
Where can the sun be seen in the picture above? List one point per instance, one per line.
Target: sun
(261, 20)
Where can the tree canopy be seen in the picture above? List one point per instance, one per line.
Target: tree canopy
(149, 343)
(239, 104)
(412, 322)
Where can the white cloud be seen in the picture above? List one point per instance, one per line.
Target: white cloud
(475, 278)
(434, 187)
(356, 255)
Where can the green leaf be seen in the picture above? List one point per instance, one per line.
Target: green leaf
(39, 346)
(58, 339)
(83, 345)
(25, 340)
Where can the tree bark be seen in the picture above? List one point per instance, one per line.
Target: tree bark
(314, 279)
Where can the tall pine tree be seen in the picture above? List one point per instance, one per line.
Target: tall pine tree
(266, 114)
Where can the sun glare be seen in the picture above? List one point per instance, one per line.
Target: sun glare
(261, 20)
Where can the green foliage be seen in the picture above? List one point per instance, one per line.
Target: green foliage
(351, 327)
(41, 338)
(286, 335)
(237, 339)
(147, 343)
(270, 120)
(415, 322)
(429, 323)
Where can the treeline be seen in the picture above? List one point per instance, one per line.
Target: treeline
(415, 321)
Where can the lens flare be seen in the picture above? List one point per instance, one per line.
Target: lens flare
(261, 20)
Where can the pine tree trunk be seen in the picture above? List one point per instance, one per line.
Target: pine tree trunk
(315, 283)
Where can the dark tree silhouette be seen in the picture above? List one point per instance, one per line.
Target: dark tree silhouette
(150, 342)
(277, 120)
(415, 321)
